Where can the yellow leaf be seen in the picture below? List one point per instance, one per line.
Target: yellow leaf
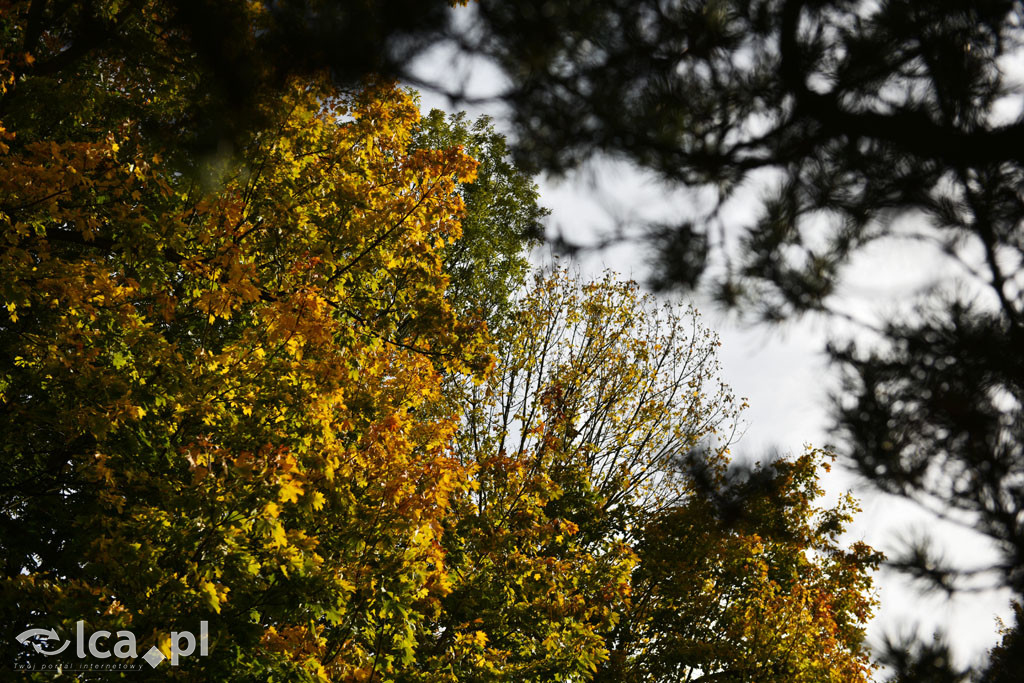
(164, 644)
(290, 490)
(209, 592)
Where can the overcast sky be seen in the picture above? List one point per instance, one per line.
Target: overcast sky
(781, 370)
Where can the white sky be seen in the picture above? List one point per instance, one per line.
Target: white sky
(782, 370)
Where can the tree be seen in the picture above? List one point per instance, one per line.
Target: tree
(584, 548)
(211, 399)
(1006, 656)
(766, 594)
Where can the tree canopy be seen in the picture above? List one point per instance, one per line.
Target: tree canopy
(237, 306)
(588, 548)
(203, 382)
(264, 396)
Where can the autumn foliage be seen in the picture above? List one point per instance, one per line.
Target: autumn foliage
(238, 388)
(205, 381)
(606, 538)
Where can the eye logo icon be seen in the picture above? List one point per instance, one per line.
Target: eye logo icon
(42, 634)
